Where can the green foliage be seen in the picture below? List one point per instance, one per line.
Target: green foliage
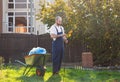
(99, 28)
(95, 23)
(48, 13)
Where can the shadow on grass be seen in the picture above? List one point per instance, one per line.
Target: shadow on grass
(56, 78)
(33, 78)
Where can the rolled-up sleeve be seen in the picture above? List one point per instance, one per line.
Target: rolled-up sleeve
(53, 30)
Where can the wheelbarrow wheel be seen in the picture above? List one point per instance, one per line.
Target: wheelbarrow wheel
(40, 71)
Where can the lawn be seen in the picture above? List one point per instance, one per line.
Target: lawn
(14, 74)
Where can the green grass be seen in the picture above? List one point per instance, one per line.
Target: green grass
(14, 74)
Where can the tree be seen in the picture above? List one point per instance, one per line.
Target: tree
(95, 23)
(48, 13)
(99, 28)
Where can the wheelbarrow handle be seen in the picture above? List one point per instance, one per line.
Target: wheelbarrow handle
(20, 62)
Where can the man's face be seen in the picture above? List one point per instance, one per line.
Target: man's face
(59, 21)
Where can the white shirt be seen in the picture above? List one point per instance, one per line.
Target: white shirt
(54, 31)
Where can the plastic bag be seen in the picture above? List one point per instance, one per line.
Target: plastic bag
(37, 50)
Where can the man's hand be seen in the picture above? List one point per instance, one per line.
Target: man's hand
(66, 41)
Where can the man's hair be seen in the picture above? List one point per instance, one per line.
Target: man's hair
(57, 17)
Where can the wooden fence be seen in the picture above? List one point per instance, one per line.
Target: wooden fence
(16, 46)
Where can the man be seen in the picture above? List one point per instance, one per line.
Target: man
(59, 37)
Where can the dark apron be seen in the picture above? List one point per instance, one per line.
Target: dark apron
(57, 52)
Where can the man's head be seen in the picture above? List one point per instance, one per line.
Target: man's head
(58, 20)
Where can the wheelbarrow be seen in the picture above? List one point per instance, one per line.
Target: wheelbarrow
(35, 60)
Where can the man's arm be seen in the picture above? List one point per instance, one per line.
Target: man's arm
(56, 36)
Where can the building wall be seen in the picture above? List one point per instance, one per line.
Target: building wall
(40, 27)
(1, 9)
(5, 18)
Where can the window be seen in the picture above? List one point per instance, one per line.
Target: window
(10, 21)
(20, 13)
(10, 5)
(20, 20)
(20, 25)
(18, 5)
(31, 29)
(10, 24)
(29, 5)
(20, 0)
(10, 13)
(10, 0)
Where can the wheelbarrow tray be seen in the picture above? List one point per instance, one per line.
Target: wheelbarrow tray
(36, 59)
